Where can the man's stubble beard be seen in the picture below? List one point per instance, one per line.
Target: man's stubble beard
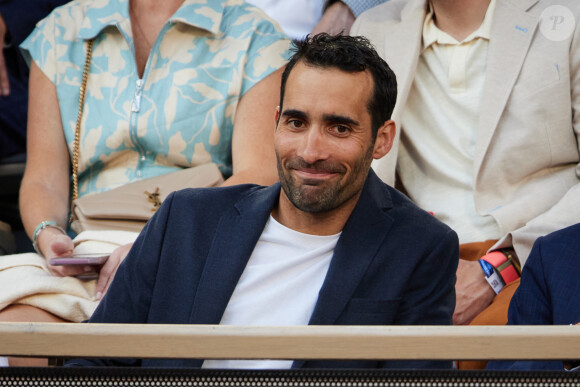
(326, 198)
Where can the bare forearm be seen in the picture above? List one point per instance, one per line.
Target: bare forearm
(40, 201)
(45, 187)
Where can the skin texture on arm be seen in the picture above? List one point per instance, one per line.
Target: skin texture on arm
(336, 19)
(253, 155)
(472, 291)
(45, 186)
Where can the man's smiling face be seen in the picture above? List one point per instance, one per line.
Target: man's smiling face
(324, 144)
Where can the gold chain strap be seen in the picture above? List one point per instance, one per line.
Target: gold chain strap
(76, 149)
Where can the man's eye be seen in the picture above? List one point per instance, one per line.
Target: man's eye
(295, 124)
(341, 129)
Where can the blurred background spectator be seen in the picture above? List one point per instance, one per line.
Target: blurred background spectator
(17, 20)
(301, 17)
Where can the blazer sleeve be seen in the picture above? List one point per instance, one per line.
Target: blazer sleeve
(430, 296)
(531, 305)
(129, 297)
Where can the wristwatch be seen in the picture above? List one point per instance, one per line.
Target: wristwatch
(500, 267)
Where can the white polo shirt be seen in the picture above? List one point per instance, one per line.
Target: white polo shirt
(439, 125)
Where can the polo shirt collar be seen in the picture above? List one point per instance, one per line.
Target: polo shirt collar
(100, 14)
(432, 34)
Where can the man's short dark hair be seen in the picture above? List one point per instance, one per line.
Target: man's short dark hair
(350, 54)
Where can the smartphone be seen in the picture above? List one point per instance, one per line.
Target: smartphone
(80, 259)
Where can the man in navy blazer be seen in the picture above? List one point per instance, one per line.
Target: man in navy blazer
(548, 292)
(331, 244)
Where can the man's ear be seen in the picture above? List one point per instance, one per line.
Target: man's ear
(385, 139)
(277, 116)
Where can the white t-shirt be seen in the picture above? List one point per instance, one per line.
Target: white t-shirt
(279, 286)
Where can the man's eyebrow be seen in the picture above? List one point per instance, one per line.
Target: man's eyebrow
(334, 118)
(294, 113)
(338, 119)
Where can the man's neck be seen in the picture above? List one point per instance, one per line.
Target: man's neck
(459, 18)
(320, 223)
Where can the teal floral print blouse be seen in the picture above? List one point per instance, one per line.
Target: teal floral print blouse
(181, 112)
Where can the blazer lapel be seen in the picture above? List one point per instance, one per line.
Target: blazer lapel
(401, 49)
(511, 36)
(402, 59)
(236, 236)
(354, 251)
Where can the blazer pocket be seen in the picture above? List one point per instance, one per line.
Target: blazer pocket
(533, 82)
(364, 311)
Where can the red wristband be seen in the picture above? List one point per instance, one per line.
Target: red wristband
(503, 265)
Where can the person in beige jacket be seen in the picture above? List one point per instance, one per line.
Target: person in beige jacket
(488, 114)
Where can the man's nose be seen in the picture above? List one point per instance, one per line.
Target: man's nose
(314, 146)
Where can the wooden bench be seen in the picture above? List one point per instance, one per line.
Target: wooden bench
(312, 342)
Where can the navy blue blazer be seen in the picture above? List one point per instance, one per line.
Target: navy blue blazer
(548, 292)
(394, 264)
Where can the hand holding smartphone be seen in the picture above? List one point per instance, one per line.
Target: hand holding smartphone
(95, 259)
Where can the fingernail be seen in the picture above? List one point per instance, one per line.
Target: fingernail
(99, 296)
